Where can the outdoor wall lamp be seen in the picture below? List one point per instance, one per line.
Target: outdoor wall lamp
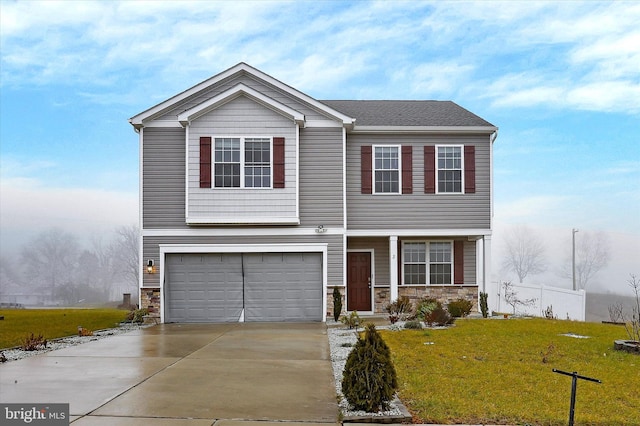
(321, 229)
(150, 266)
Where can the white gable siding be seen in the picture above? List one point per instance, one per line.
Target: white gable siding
(242, 117)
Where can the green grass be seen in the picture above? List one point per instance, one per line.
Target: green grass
(53, 323)
(492, 371)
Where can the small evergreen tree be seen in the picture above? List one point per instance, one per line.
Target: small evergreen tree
(337, 303)
(369, 379)
(484, 306)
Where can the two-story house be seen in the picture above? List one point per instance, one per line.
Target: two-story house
(256, 200)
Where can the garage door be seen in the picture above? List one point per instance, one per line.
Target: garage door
(218, 287)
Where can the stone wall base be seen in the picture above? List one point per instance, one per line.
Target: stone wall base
(444, 294)
(150, 300)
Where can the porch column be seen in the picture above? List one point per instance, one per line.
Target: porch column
(393, 267)
(486, 274)
(482, 285)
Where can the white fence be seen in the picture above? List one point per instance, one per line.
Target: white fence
(566, 304)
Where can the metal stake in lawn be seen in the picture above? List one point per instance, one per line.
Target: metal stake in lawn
(574, 385)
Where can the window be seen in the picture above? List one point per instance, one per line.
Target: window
(227, 163)
(440, 263)
(387, 169)
(415, 267)
(251, 170)
(257, 163)
(449, 169)
(436, 269)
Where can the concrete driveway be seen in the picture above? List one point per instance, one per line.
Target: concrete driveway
(186, 374)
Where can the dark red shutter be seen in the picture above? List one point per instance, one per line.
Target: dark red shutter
(407, 169)
(205, 162)
(458, 262)
(429, 169)
(365, 166)
(278, 162)
(469, 169)
(400, 257)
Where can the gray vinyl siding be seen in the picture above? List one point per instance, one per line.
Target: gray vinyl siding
(163, 178)
(470, 262)
(151, 250)
(321, 177)
(242, 117)
(418, 210)
(258, 85)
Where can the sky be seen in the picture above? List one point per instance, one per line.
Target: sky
(561, 80)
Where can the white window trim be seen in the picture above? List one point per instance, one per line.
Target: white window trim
(242, 163)
(428, 263)
(462, 177)
(373, 169)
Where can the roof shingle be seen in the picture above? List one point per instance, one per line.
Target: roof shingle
(407, 113)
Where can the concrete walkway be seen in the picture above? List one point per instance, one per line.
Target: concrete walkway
(186, 374)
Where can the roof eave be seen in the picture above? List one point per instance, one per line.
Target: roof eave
(239, 90)
(159, 109)
(426, 129)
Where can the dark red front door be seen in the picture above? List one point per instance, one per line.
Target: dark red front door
(358, 281)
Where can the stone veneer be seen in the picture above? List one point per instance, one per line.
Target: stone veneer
(444, 294)
(150, 299)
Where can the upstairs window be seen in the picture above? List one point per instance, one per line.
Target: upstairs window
(449, 169)
(227, 163)
(386, 167)
(257, 163)
(250, 170)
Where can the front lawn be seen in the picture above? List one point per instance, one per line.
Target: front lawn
(500, 371)
(53, 323)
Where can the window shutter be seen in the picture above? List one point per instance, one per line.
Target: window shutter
(470, 169)
(458, 262)
(365, 166)
(407, 169)
(400, 259)
(278, 162)
(205, 162)
(429, 169)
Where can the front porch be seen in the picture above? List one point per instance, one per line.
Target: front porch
(446, 266)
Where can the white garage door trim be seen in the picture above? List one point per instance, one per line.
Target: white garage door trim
(243, 248)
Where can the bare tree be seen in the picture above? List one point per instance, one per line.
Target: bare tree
(592, 254)
(511, 297)
(51, 260)
(10, 279)
(126, 251)
(525, 253)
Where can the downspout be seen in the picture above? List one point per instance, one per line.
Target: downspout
(241, 319)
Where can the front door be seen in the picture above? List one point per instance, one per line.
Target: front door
(359, 281)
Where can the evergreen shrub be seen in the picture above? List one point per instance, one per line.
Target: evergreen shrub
(484, 305)
(425, 306)
(337, 303)
(369, 378)
(460, 308)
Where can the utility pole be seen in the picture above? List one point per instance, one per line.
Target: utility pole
(573, 257)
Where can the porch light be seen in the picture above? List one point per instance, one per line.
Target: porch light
(150, 266)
